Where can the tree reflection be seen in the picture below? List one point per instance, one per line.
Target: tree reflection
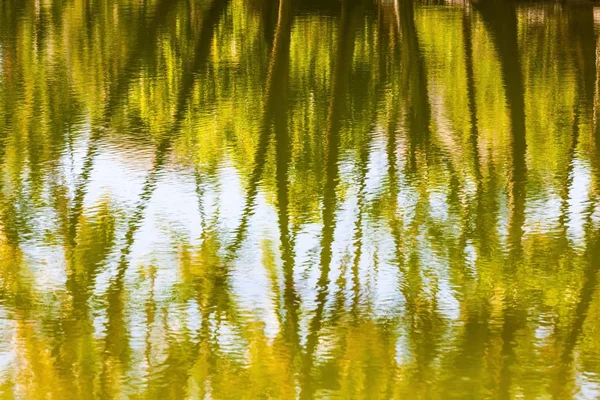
(419, 183)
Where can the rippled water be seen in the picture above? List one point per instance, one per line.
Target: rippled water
(299, 199)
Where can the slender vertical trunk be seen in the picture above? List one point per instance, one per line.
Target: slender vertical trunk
(351, 14)
(145, 39)
(117, 335)
(501, 21)
(419, 110)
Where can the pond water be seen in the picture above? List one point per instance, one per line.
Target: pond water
(307, 199)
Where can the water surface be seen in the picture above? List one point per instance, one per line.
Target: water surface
(287, 199)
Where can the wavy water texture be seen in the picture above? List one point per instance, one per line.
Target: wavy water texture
(244, 199)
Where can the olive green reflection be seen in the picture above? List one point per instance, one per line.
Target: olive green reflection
(356, 199)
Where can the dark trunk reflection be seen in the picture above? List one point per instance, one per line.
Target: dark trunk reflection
(299, 199)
